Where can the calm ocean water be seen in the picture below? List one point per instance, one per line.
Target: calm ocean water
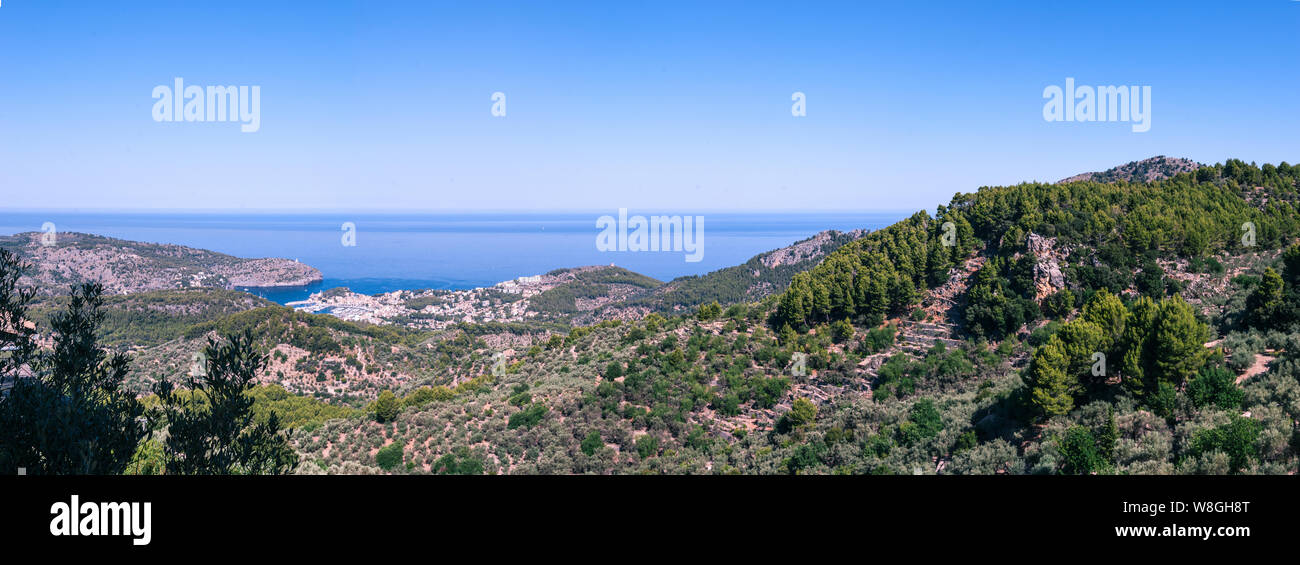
(445, 251)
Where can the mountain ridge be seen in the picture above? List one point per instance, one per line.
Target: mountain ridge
(1150, 169)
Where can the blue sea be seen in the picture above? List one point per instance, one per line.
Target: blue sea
(442, 250)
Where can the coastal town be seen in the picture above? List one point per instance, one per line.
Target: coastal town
(507, 301)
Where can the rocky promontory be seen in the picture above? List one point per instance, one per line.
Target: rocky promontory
(126, 267)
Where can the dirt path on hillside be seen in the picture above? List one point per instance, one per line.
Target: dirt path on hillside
(1259, 367)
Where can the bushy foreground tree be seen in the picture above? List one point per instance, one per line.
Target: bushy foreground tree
(66, 411)
(16, 345)
(211, 428)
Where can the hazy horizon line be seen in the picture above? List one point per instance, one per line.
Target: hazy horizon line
(410, 212)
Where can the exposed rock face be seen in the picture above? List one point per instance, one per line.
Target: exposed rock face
(1047, 279)
(1039, 245)
(811, 248)
(1146, 170)
(1047, 269)
(125, 267)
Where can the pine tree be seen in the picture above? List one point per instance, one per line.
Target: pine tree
(1291, 264)
(1079, 452)
(1179, 342)
(386, 407)
(1108, 436)
(1108, 312)
(1264, 306)
(1079, 340)
(787, 337)
(802, 412)
(709, 312)
(1051, 387)
(1139, 347)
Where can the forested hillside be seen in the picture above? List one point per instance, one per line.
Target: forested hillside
(1112, 229)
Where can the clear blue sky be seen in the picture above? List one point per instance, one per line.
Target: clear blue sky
(673, 106)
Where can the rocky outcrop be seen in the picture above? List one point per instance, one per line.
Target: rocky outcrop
(1146, 170)
(814, 247)
(1048, 278)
